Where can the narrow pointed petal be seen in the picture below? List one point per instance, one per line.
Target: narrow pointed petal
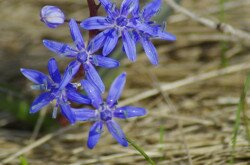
(144, 27)
(76, 34)
(61, 49)
(97, 22)
(35, 76)
(68, 113)
(151, 9)
(128, 6)
(106, 4)
(85, 114)
(93, 77)
(110, 42)
(94, 134)
(116, 131)
(98, 41)
(129, 45)
(74, 96)
(41, 101)
(110, 7)
(129, 111)
(166, 36)
(116, 89)
(104, 62)
(136, 9)
(150, 50)
(53, 70)
(70, 72)
(93, 93)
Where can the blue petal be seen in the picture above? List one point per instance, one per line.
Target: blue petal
(129, 45)
(151, 9)
(116, 131)
(97, 42)
(93, 77)
(104, 62)
(110, 8)
(93, 93)
(110, 42)
(41, 101)
(97, 22)
(53, 70)
(76, 34)
(116, 89)
(150, 50)
(35, 76)
(127, 6)
(69, 73)
(59, 48)
(129, 111)
(136, 10)
(68, 113)
(165, 35)
(74, 96)
(106, 4)
(85, 114)
(145, 28)
(94, 134)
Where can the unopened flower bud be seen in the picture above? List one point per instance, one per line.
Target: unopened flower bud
(52, 16)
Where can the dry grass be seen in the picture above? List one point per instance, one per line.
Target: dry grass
(191, 124)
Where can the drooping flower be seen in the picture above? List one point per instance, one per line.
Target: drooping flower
(106, 111)
(56, 88)
(120, 23)
(83, 55)
(52, 16)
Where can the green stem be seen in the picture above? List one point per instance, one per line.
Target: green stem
(139, 149)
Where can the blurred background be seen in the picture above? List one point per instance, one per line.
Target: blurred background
(190, 121)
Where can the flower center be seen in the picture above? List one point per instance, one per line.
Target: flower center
(82, 57)
(106, 115)
(121, 21)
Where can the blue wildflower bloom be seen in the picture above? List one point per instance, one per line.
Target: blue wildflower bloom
(145, 16)
(56, 88)
(52, 16)
(105, 112)
(83, 55)
(119, 23)
(116, 24)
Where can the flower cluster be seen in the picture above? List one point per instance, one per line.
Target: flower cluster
(130, 24)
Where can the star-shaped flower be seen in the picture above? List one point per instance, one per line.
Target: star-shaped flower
(145, 16)
(83, 55)
(116, 24)
(56, 88)
(106, 111)
(120, 23)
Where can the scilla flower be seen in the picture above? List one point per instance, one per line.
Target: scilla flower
(145, 16)
(106, 111)
(119, 23)
(56, 88)
(52, 16)
(83, 55)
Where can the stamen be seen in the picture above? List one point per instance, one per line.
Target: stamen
(38, 87)
(54, 113)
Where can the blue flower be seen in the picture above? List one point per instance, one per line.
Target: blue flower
(105, 112)
(145, 16)
(56, 88)
(84, 55)
(52, 16)
(119, 23)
